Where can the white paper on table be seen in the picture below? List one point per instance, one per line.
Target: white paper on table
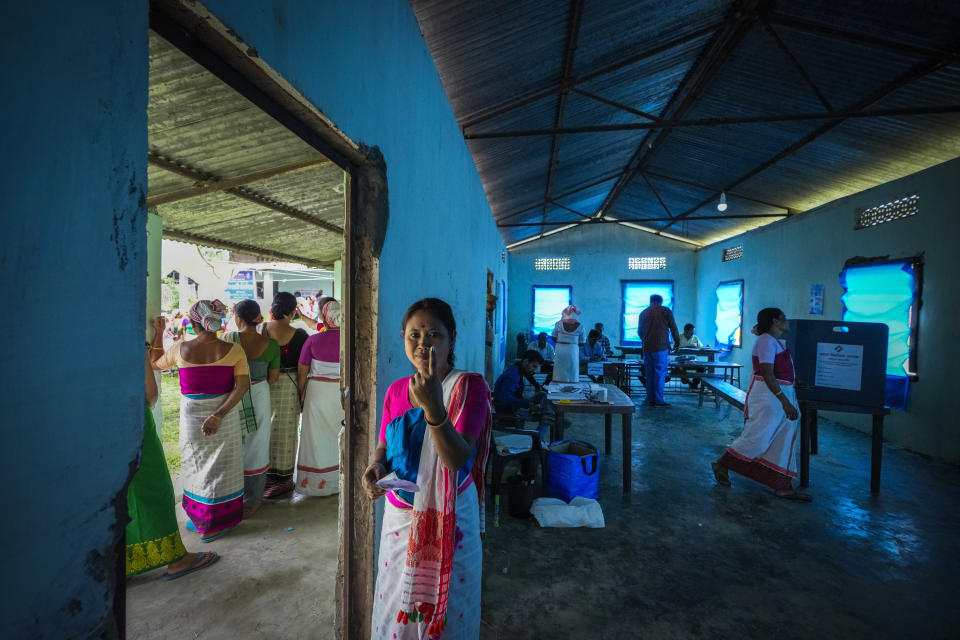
(391, 482)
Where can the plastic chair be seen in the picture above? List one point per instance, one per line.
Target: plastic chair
(513, 425)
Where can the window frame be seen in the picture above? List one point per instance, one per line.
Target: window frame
(623, 303)
(743, 290)
(913, 342)
(533, 302)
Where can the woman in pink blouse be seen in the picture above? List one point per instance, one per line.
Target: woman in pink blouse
(318, 380)
(431, 454)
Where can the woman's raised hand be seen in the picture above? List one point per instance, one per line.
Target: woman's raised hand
(159, 324)
(427, 392)
(374, 472)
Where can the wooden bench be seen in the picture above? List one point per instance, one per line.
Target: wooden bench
(734, 395)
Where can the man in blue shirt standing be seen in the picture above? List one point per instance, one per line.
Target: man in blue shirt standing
(655, 328)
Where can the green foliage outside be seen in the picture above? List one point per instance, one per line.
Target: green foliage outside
(170, 433)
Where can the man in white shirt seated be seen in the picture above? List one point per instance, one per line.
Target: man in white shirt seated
(688, 340)
(545, 349)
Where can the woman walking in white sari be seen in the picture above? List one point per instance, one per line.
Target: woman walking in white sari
(318, 457)
(434, 438)
(764, 450)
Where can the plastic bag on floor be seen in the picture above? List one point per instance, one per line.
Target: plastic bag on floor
(581, 512)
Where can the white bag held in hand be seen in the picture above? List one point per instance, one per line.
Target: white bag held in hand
(581, 512)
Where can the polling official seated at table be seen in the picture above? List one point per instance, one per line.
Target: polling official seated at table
(592, 351)
(508, 390)
(690, 341)
(604, 341)
(545, 349)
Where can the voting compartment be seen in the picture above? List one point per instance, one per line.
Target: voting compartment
(840, 362)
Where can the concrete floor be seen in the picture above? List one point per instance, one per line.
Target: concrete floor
(679, 558)
(268, 583)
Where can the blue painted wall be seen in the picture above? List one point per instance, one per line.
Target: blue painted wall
(366, 66)
(598, 263)
(75, 241)
(74, 259)
(782, 260)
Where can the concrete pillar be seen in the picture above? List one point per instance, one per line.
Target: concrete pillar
(267, 294)
(154, 284)
(337, 280)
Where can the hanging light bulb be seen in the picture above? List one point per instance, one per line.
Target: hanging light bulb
(722, 205)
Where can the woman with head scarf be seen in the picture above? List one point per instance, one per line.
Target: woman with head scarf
(263, 358)
(213, 378)
(568, 335)
(764, 452)
(318, 458)
(284, 398)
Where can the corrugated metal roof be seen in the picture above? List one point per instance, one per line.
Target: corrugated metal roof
(210, 131)
(502, 64)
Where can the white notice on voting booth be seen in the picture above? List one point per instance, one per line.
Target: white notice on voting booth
(839, 366)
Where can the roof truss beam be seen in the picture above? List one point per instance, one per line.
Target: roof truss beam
(576, 11)
(561, 195)
(159, 160)
(918, 71)
(533, 96)
(644, 220)
(858, 37)
(204, 187)
(796, 63)
(718, 122)
(208, 241)
(736, 24)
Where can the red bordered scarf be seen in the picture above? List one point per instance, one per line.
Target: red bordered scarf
(426, 571)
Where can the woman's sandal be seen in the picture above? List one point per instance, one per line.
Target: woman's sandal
(720, 473)
(196, 565)
(794, 495)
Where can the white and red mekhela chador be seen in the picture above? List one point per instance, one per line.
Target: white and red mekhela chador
(211, 467)
(430, 560)
(318, 457)
(765, 449)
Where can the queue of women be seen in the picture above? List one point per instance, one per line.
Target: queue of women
(242, 394)
(428, 464)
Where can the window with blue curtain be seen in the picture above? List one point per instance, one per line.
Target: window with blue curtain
(635, 298)
(887, 292)
(729, 314)
(548, 305)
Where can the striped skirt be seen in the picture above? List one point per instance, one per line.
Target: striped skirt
(211, 466)
(256, 446)
(285, 404)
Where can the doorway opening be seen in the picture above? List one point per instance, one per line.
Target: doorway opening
(275, 198)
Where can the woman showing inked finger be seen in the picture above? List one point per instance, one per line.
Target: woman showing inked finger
(433, 444)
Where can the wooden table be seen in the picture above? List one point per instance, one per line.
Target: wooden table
(729, 370)
(618, 402)
(808, 436)
(711, 354)
(619, 372)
